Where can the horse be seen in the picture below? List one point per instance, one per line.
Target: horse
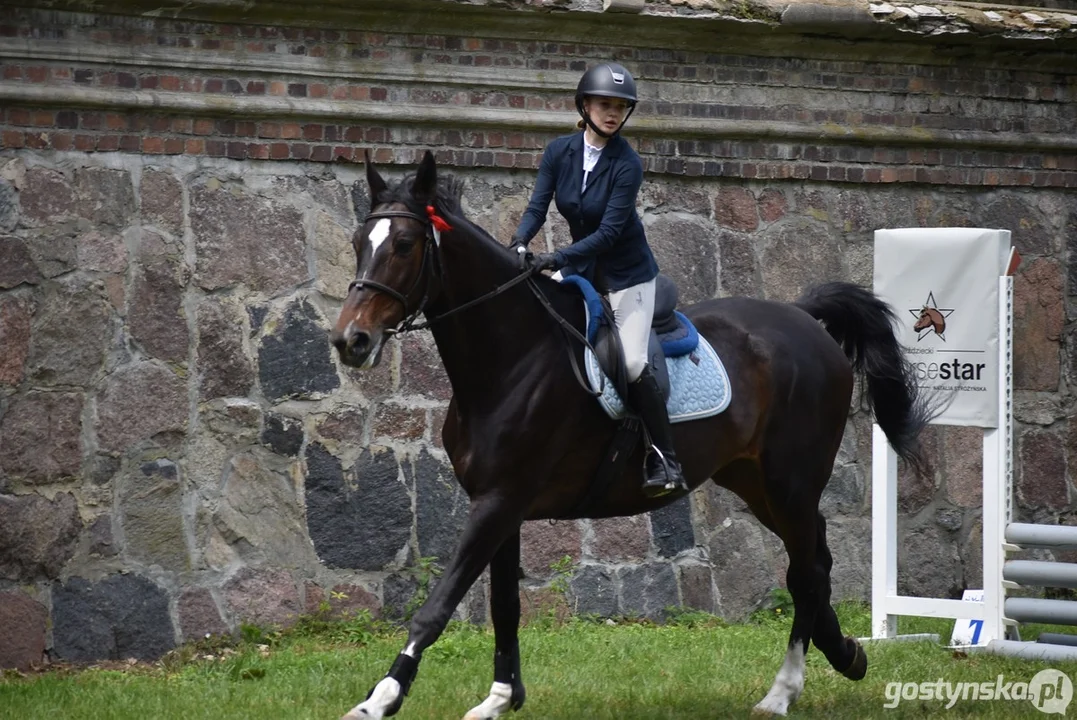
(525, 438)
(931, 319)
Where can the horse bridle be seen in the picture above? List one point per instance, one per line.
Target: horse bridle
(430, 255)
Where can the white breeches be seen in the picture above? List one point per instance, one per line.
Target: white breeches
(633, 310)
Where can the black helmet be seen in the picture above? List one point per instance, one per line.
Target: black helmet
(606, 80)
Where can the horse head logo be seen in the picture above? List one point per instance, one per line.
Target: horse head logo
(930, 318)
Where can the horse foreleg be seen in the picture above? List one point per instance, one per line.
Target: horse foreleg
(490, 522)
(507, 692)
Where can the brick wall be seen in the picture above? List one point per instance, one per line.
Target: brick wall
(176, 199)
(703, 114)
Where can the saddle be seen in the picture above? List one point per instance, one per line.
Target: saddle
(691, 376)
(672, 334)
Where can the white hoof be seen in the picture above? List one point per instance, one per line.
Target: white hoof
(787, 685)
(373, 708)
(771, 706)
(499, 701)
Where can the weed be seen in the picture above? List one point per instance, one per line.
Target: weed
(777, 607)
(563, 570)
(425, 572)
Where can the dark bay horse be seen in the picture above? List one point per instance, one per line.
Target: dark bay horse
(525, 439)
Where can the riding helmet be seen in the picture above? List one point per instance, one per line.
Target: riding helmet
(606, 80)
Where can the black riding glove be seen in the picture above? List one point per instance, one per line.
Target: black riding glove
(542, 261)
(517, 242)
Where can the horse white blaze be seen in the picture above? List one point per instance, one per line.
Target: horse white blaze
(378, 234)
(383, 696)
(499, 701)
(787, 685)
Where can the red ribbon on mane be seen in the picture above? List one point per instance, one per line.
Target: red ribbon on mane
(436, 220)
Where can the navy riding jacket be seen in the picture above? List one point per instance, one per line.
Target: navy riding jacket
(608, 242)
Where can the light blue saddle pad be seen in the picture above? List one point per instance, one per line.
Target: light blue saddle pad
(699, 385)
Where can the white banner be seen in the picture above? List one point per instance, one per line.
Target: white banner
(943, 285)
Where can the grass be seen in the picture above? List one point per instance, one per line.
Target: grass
(695, 666)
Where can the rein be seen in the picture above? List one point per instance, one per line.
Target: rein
(430, 257)
(568, 330)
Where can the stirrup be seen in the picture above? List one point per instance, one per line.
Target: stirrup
(655, 485)
(656, 488)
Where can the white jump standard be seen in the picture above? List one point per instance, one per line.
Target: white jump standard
(999, 616)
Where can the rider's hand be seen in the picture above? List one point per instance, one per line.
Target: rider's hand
(542, 261)
(516, 243)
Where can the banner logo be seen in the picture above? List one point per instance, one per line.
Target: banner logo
(930, 317)
(943, 285)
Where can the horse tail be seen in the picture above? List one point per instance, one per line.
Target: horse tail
(863, 325)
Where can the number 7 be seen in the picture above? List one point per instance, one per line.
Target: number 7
(977, 625)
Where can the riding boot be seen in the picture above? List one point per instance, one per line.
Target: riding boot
(662, 471)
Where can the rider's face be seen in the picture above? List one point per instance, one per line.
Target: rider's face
(606, 113)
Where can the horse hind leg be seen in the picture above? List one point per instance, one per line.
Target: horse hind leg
(792, 500)
(804, 534)
(749, 480)
(845, 654)
(789, 682)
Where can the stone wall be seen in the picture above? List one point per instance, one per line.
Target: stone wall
(180, 452)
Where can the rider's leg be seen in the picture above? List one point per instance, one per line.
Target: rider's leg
(633, 310)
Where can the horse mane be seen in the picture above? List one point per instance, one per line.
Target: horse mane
(448, 202)
(447, 199)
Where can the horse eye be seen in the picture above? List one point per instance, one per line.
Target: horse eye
(403, 247)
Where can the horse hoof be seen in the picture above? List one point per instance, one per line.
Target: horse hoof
(519, 694)
(503, 697)
(859, 666)
(763, 711)
(383, 700)
(357, 714)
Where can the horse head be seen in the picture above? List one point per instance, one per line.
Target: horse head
(396, 264)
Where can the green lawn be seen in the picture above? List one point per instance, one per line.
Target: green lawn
(691, 668)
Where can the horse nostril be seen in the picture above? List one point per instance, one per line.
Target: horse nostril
(350, 342)
(359, 342)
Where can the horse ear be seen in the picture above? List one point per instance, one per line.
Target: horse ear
(373, 179)
(424, 189)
